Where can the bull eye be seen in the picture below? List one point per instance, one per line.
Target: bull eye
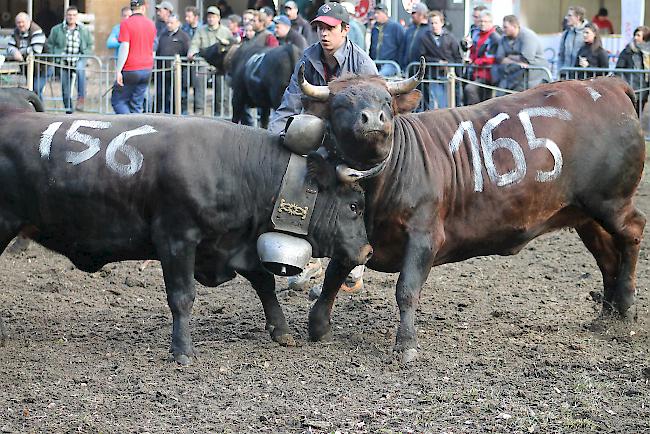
(353, 207)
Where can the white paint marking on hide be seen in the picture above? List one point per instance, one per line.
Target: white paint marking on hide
(93, 143)
(454, 146)
(489, 145)
(594, 93)
(135, 157)
(535, 142)
(46, 139)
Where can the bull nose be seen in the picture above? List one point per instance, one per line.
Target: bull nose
(366, 253)
(373, 120)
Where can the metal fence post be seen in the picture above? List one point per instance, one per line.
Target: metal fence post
(178, 84)
(30, 72)
(451, 88)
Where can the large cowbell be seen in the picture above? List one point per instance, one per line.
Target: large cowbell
(282, 252)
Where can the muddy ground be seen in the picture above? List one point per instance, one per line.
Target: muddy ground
(506, 346)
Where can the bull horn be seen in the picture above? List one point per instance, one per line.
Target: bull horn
(320, 93)
(407, 85)
(348, 175)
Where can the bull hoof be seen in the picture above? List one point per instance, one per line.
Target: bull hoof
(320, 331)
(180, 359)
(408, 356)
(285, 340)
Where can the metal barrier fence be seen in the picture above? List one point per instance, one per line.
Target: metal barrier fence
(638, 79)
(82, 82)
(389, 69)
(456, 84)
(181, 86)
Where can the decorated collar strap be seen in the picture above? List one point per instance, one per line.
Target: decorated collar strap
(295, 203)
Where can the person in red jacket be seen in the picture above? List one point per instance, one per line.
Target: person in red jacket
(603, 23)
(482, 56)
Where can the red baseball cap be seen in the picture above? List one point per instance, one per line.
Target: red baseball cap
(332, 14)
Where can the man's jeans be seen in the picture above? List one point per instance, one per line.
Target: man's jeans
(66, 81)
(388, 70)
(437, 93)
(130, 97)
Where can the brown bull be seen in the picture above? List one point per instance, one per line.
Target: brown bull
(486, 180)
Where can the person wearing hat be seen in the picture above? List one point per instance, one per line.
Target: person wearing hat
(286, 35)
(415, 32)
(386, 39)
(206, 36)
(299, 23)
(163, 11)
(134, 60)
(332, 56)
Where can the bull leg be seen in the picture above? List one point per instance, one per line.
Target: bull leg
(177, 260)
(320, 324)
(625, 224)
(420, 253)
(8, 230)
(601, 245)
(264, 114)
(276, 323)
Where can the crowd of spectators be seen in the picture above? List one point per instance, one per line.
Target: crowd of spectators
(507, 55)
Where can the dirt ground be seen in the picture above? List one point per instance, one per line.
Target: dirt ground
(507, 345)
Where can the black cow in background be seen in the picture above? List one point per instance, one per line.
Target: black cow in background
(258, 76)
(21, 99)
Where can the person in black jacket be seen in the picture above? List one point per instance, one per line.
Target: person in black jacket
(439, 46)
(636, 55)
(592, 54)
(173, 41)
(286, 35)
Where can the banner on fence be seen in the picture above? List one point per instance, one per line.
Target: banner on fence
(632, 13)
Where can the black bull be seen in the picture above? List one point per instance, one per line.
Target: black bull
(193, 193)
(487, 179)
(258, 76)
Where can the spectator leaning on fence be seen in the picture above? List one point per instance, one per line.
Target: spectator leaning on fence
(474, 29)
(592, 54)
(112, 42)
(192, 21)
(134, 61)
(386, 39)
(28, 38)
(412, 39)
(286, 35)
(172, 42)
(482, 56)
(519, 48)
(357, 33)
(572, 39)
(636, 55)
(605, 26)
(439, 46)
(71, 39)
(298, 23)
(207, 36)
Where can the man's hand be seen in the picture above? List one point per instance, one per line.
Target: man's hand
(18, 56)
(119, 79)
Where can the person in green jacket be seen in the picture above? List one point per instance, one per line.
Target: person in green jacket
(72, 39)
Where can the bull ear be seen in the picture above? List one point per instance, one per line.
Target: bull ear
(320, 171)
(408, 102)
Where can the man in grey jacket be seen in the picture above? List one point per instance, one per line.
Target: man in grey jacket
(572, 38)
(519, 49)
(326, 60)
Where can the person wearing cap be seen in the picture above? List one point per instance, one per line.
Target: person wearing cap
(263, 37)
(206, 36)
(357, 33)
(163, 11)
(286, 35)
(299, 23)
(326, 60)
(412, 38)
(134, 61)
(386, 39)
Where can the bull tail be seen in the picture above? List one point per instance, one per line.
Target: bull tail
(34, 100)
